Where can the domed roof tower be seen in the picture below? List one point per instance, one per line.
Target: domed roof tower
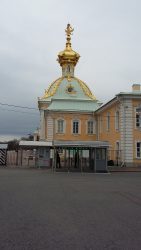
(68, 92)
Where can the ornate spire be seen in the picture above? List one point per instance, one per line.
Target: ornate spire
(68, 31)
(68, 58)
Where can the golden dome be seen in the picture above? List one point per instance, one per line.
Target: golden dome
(68, 56)
(57, 89)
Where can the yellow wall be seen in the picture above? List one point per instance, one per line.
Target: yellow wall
(112, 135)
(83, 118)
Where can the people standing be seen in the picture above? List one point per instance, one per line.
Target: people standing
(58, 164)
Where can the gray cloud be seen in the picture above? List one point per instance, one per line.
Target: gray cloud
(107, 35)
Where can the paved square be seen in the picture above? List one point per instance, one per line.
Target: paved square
(40, 210)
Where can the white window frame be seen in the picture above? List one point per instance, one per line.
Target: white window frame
(90, 128)
(73, 121)
(62, 130)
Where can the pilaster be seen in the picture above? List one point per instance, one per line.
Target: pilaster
(126, 129)
(42, 125)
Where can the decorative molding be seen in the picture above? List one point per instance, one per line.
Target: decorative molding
(52, 88)
(85, 89)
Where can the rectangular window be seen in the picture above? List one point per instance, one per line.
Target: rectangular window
(138, 150)
(60, 126)
(90, 127)
(100, 154)
(138, 117)
(75, 127)
(117, 120)
(100, 124)
(108, 121)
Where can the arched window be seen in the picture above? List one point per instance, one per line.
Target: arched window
(60, 126)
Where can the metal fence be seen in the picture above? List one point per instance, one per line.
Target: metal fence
(114, 157)
(21, 158)
(28, 158)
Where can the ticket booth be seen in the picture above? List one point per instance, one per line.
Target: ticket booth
(80, 156)
(69, 156)
(41, 152)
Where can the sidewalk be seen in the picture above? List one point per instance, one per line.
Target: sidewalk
(124, 169)
(110, 168)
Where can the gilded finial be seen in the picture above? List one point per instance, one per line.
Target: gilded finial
(68, 31)
(68, 58)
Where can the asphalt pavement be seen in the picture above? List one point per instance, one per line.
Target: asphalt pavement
(44, 210)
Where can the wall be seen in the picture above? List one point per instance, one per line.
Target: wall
(51, 127)
(112, 135)
(127, 135)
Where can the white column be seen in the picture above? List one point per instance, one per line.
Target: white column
(50, 128)
(42, 125)
(126, 128)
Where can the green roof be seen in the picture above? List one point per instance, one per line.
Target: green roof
(68, 105)
(70, 94)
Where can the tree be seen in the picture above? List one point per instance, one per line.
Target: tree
(28, 138)
(13, 145)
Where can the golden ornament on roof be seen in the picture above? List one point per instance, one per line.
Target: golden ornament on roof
(68, 56)
(69, 30)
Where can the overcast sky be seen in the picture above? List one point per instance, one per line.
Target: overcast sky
(107, 35)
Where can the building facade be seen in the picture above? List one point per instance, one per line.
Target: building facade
(68, 105)
(119, 122)
(69, 113)
(67, 118)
